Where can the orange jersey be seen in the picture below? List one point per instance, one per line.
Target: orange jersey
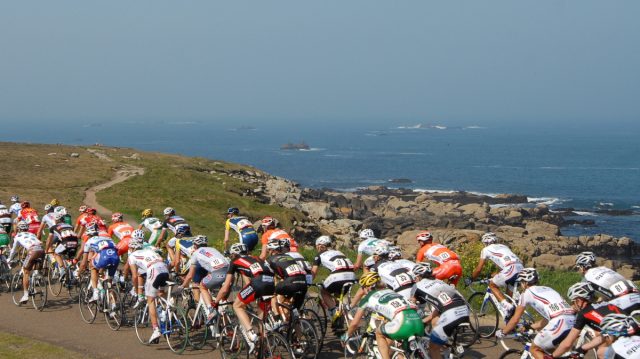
(29, 215)
(80, 219)
(435, 252)
(92, 218)
(279, 234)
(121, 230)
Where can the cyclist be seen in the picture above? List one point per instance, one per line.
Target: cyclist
(172, 222)
(290, 278)
(271, 231)
(179, 247)
(152, 224)
(557, 316)
(246, 233)
(393, 274)
(31, 244)
(258, 280)
(509, 264)
(613, 286)
(65, 216)
(47, 220)
(99, 252)
(340, 268)
(621, 334)
(302, 261)
(122, 230)
(588, 313)
(30, 216)
(449, 268)
(65, 240)
(147, 263)
(368, 242)
(15, 207)
(5, 218)
(207, 268)
(449, 309)
(89, 218)
(400, 316)
(5, 240)
(83, 213)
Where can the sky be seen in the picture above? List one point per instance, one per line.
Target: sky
(462, 62)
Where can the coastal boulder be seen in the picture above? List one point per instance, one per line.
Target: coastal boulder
(317, 210)
(542, 229)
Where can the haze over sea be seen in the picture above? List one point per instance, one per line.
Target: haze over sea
(588, 167)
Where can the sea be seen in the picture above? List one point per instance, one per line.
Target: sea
(592, 168)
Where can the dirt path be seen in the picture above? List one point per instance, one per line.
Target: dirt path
(120, 176)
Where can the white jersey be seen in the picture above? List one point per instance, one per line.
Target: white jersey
(369, 263)
(609, 282)
(91, 245)
(27, 240)
(545, 301)
(152, 224)
(438, 293)
(5, 216)
(209, 259)
(406, 263)
(15, 209)
(395, 275)
(368, 245)
(144, 259)
(49, 220)
(302, 262)
(499, 254)
(627, 347)
(334, 261)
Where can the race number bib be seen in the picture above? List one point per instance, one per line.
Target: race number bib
(67, 233)
(444, 299)
(217, 263)
(342, 263)
(556, 309)
(622, 287)
(398, 305)
(294, 270)
(244, 223)
(508, 260)
(255, 268)
(403, 279)
(444, 256)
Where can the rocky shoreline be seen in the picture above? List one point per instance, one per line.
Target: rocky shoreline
(454, 218)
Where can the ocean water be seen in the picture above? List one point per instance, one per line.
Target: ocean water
(586, 167)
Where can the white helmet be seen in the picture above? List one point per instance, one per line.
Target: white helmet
(422, 269)
(58, 216)
(366, 233)
(489, 238)
(582, 290)
(274, 243)
(135, 243)
(395, 252)
(528, 275)
(60, 209)
(323, 241)
(238, 248)
(381, 251)
(169, 211)
(585, 260)
(616, 325)
(200, 240)
(47, 207)
(138, 234)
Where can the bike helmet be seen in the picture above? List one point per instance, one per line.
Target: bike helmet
(183, 230)
(92, 229)
(582, 290)
(323, 241)
(366, 233)
(585, 260)
(15, 198)
(135, 243)
(368, 279)
(395, 252)
(238, 248)
(147, 213)
(60, 209)
(25, 204)
(233, 210)
(616, 325)
(58, 216)
(117, 217)
(200, 240)
(54, 202)
(90, 210)
(424, 236)
(528, 275)
(23, 226)
(489, 238)
(382, 251)
(169, 211)
(82, 209)
(268, 221)
(285, 243)
(422, 269)
(48, 207)
(273, 243)
(138, 234)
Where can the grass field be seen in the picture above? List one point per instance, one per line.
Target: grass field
(17, 347)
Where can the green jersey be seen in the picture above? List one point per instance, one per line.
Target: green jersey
(385, 302)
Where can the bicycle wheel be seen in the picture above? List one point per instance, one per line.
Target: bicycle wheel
(357, 347)
(314, 303)
(88, 310)
(53, 277)
(113, 309)
(38, 291)
(176, 329)
(16, 287)
(5, 276)
(276, 346)
(72, 284)
(304, 339)
(486, 312)
(314, 318)
(142, 324)
(198, 330)
(466, 334)
(231, 344)
(511, 354)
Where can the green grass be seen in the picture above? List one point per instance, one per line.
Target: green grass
(17, 347)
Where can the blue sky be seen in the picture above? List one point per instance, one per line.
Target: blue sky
(406, 61)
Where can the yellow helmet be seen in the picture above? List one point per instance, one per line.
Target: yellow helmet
(147, 213)
(368, 279)
(54, 202)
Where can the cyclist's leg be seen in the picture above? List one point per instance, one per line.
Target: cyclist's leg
(245, 296)
(507, 275)
(551, 335)
(384, 344)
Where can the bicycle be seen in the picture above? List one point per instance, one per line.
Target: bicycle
(5, 271)
(298, 331)
(489, 310)
(57, 282)
(527, 338)
(108, 303)
(172, 322)
(197, 314)
(343, 308)
(465, 334)
(37, 287)
(365, 346)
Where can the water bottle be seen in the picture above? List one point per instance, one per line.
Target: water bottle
(163, 316)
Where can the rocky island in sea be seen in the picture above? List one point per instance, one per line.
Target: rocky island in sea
(295, 146)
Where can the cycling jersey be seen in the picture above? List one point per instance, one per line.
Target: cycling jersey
(609, 282)
(80, 219)
(211, 267)
(144, 259)
(66, 237)
(404, 321)
(121, 230)
(334, 261)
(5, 219)
(625, 348)
(395, 276)
(92, 244)
(592, 315)
(49, 220)
(15, 209)
(30, 216)
(26, 240)
(4, 237)
(279, 234)
(437, 253)
(182, 245)
(261, 277)
(546, 301)
(302, 262)
(439, 294)
(285, 266)
(246, 233)
(368, 245)
(499, 254)
(406, 263)
(150, 264)
(174, 222)
(154, 226)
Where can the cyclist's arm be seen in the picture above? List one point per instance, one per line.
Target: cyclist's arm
(187, 279)
(135, 279)
(15, 246)
(476, 272)
(171, 252)
(355, 322)
(358, 263)
(593, 343)
(567, 343)
(539, 324)
(177, 257)
(263, 252)
(514, 320)
(224, 291)
(48, 244)
(226, 239)
(314, 271)
(161, 237)
(40, 230)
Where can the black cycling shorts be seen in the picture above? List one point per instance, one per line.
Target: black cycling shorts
(293, 287)
(257, 288)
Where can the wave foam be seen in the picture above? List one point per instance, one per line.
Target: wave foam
(583, 213)
(544, 200)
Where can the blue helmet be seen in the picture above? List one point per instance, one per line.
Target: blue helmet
(233, 210)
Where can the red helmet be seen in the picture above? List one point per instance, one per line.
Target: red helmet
(25, 204)
(82, 209)
(90, 210)
(424, 236)
(117, 217)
